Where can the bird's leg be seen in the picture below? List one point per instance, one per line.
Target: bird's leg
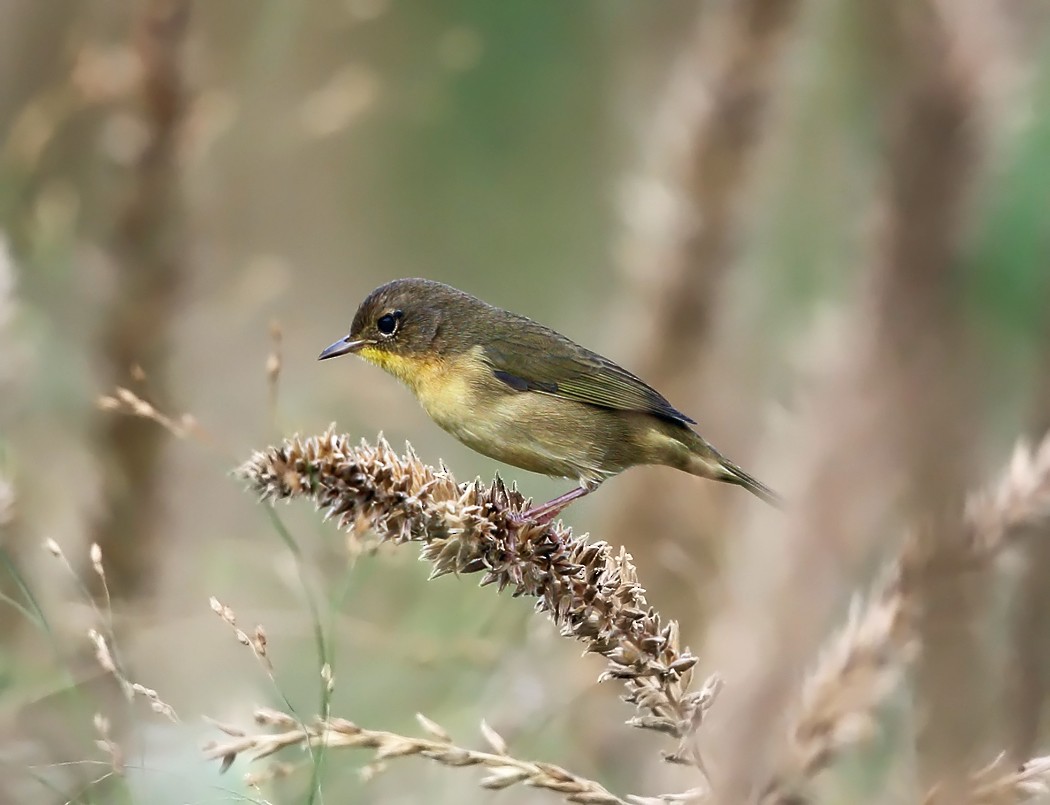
(545, 512)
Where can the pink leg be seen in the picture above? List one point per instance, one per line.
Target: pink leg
(545, 512)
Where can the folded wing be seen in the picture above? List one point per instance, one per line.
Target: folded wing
(563, 368)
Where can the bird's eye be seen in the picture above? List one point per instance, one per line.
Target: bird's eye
(388, 323)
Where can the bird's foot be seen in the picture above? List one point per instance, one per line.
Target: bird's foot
(545, 513)
(537, 516)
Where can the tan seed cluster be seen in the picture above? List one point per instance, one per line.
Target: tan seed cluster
(865, 661)
(590, 590)
(502, 770)
(125, 401)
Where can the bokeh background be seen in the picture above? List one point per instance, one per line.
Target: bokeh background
(821, 229)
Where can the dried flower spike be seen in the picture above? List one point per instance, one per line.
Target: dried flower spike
(502, 768)
(865, 661)
(590, 590)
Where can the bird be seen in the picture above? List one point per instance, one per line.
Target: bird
(523, 394)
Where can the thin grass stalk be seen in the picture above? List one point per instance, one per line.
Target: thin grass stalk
(502, 769)
(863, 665)
(1001, 783)
(1027, 680)
(934, 151)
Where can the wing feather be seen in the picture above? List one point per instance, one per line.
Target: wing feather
(529, 357)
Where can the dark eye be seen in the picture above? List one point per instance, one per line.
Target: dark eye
(388, 323)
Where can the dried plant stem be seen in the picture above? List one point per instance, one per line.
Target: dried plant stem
(999, 783)
(104, 642)
(503, 769)
(125, 401)
(863, 664)
(934, 157)
(840, 502)
(1027, 680)
(589, 589)
(147, 248)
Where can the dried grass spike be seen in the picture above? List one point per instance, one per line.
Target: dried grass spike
(590, 590)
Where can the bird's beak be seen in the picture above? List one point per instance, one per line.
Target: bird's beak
(342, 347)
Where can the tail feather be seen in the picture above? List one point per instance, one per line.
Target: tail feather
(704, 460)
(735, 475)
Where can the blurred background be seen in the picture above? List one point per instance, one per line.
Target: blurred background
(820, 229)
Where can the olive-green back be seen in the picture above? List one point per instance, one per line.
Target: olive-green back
(529, 357)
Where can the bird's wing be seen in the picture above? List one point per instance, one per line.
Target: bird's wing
(528, 357)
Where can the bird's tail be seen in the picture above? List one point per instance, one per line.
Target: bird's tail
(735, 475)
(707, 462)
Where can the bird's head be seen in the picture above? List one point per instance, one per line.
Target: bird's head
(407, 324)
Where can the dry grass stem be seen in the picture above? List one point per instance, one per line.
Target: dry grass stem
(8, 501)
(999, 783)
(255, 641)
(106, 660)
(1026, 682)
(590, 590)
(503, 770)
(936, 157)
(1020, 498)
(258, 643)
(103, 643)
(866, 660)
(858, 669)
(95, 552)
(125, 401)
(693, 795)
(105, 742)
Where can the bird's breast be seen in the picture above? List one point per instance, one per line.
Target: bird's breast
(447, 392)
(538, 432)
(445, 386)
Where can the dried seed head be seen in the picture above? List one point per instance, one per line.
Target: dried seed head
(864, 662)
(222, 611)
(1020, 496)
(590, 590)
(102, 652)
(433, 729)
(493, 739)
(259, 640)
(126, 401)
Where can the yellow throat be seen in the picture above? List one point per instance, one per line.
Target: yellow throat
(410, 371)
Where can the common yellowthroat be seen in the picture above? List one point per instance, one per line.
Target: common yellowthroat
(521, 393)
